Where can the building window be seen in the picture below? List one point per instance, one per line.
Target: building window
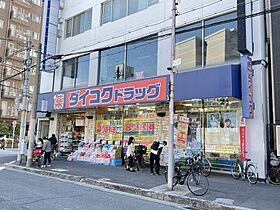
(115, 9)
(78, 24)
(35, 18)
(119, 10)
(75, 72)
(217, 45)
(1, 24)
(33, 35)
(68, 30)
(109, 59)
(135, 60)
(2, 4)
(221, 40)
(142, 59)
(189, 46)
(37, 2)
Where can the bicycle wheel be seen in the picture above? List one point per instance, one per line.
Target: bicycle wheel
(274, 176)
(197, 183)
(206, 167)
(236, 170)
(252, 174)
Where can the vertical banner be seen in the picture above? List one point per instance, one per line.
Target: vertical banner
(182, 132)
(242, 139)
(247, 87)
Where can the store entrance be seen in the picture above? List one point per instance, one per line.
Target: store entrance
(71, 132)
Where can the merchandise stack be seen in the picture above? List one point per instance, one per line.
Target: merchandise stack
(98, 152)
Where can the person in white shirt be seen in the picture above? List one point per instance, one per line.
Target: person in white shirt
(130, 154)
(156, 150)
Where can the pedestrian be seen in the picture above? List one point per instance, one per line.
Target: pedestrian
(39, 144)
(54, 144)
(156, 150)
(130, 154)
(47, 148)
(4, 142)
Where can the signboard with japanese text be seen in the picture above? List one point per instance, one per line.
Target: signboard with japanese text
(109, 129)
(182, 131)
(141, 91)
(142, 129)
(247, 87)
(242, 139)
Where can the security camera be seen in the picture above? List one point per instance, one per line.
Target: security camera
(264, 63)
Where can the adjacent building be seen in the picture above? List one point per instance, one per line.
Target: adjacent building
(18, 19)
(112, 81)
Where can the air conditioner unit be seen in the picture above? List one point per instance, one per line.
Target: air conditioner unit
(61, 4)
(59, 33)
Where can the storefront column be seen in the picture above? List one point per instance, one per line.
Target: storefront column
(54, 125)
(90, 124)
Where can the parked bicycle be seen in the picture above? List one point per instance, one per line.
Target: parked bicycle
(138, 159)
(205, 164)
(273, 174)
(196, 181)
(244, 169)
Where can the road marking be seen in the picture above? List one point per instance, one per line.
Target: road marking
(59, 169)
(1, 168)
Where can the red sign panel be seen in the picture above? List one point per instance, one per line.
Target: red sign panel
(242, 142)
(142, 91)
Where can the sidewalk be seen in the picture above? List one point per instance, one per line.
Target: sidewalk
(223, 189)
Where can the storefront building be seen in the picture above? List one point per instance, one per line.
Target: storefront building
(111, 93)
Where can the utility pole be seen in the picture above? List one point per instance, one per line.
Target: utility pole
(25, 95)
(171, 100)
(33, 120)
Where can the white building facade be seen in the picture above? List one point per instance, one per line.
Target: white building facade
(115, 45)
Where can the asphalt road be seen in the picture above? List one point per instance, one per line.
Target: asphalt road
(20, 190)
(7, 155)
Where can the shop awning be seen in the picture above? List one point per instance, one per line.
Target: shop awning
(222, 81)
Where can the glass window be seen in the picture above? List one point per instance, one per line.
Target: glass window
(142, 59)
(108, 61)
(221, 40)
(82, 71)
(76, 25)
(189, 46)
(68, 29)
(119, 10)
(1, 23)
(106, 12)
(136, 5)
(2, 4)
(68, 74)
(152, 2)
(88, 19)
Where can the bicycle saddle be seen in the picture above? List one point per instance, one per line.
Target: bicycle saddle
(247, 159)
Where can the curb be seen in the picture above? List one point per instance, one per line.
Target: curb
(185, 200)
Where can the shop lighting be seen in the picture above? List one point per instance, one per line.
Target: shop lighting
(188, 105)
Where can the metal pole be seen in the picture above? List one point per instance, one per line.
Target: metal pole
(171, 101)
(31, 131)
(25, 99)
